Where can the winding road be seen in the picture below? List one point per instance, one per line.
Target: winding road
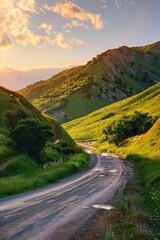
(58, 211)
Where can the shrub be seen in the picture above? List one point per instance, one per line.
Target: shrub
(128, 126)
(30, 136)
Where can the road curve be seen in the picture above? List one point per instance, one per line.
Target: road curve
(58, 211)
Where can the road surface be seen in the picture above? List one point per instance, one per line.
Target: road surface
(58, 211)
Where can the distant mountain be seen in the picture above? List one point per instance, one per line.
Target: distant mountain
(111, 76)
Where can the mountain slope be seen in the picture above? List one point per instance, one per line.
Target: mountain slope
(111, 76)
(90, 127)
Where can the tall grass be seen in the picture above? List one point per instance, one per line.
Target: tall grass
(24, 174)
(148, 171)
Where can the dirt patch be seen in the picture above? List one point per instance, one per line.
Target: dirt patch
(128, 221)
(97, 226)
(6, 162)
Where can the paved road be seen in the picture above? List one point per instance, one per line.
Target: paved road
(57, 211)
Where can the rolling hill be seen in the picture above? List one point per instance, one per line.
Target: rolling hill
(111, 76)
(11, 101)
(90, 128)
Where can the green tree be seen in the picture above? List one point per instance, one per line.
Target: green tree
(13, 116)
(30, 137)
(128, 126)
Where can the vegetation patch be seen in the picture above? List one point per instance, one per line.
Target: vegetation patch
(128, 126)
(23, 174)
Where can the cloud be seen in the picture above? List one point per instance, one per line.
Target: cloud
(5, 41)
(104, 6)
(26, 37)
(68, 31)
(15, 26)
(16, 22)
(104, 1)
(27, 5)
(61, 41)
(74, 23)
(47, 28)
(76, 41)
(118, 3)
(71, 10)
(64, 43)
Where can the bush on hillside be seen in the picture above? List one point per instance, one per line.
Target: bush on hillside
(30, 137)
(13, 116)
(128, 126)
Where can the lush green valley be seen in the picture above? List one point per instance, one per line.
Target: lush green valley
(22, 170)
(111, 76)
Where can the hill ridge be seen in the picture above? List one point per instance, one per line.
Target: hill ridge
(109, 77)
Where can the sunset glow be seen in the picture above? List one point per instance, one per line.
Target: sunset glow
(49, 34)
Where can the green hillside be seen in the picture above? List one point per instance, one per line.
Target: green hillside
(11, 101)
(111, 76)
(90, 127)
(19, 169)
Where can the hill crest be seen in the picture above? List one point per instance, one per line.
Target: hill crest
(111, 76)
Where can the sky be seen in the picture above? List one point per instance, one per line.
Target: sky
(49, 34)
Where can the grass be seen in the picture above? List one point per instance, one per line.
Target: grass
(135, 223)
(23, 174)
(148, 171)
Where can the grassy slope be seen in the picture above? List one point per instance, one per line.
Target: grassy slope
(143, 150)
(90, 127)
(111, 76)
(24, 173)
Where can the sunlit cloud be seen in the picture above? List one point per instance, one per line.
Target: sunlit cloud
(74, 23)
(68, 31)
(61, 41)
(46, 27)
(76, 41)
(71, 10)
(118, 3)
(27, 5)
(5, 41)
(104, 1)
(26, 37)
(16, 22)
(64, 43)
